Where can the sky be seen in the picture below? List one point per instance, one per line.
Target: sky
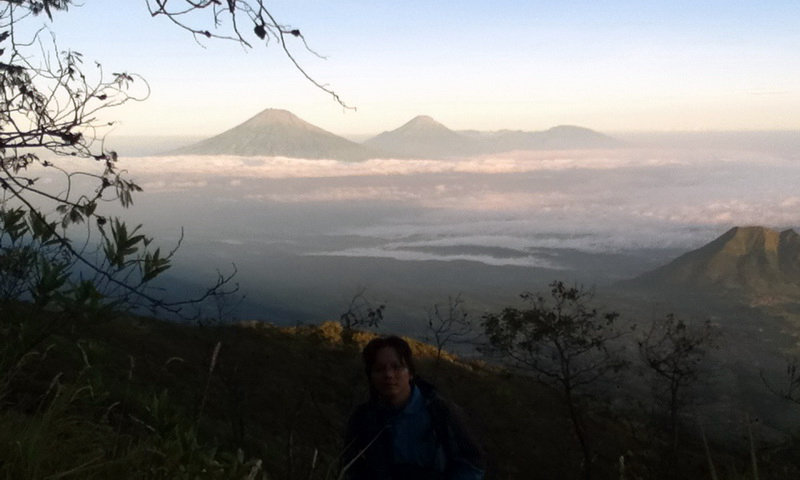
(607, 65)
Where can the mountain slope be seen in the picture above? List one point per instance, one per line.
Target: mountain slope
(754, 261)
(276, 132)
(182, 398)
(556, 138)
(424, 137)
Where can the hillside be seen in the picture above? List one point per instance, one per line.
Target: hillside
(757, 262)
(140, 398)
(278, 133)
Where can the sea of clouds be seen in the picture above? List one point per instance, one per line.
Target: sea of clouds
(512, 162)
(515, 206)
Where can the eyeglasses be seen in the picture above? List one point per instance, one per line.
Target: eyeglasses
(392, 367)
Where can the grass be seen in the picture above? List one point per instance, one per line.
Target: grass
(141, 398)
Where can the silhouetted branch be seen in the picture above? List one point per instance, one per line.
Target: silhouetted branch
(790, 390)
(185, 14)
(49, 102)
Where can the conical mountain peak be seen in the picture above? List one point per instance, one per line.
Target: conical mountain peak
(276, 132)
(424, 126)
(276, 116)
(423, 121)
(568, 128)
(423, 137)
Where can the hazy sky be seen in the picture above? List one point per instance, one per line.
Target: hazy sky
(606, 65)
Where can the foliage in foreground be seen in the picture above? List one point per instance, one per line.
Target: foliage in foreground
(139, 398)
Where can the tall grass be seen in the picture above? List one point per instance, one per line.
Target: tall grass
(151, 401)
(71, 430)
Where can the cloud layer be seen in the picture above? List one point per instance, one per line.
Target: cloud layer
(607, 201)
(512, 162)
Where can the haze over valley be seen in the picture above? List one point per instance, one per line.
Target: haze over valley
(703, 226)
(414, 229)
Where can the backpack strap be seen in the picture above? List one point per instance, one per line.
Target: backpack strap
(451, 431)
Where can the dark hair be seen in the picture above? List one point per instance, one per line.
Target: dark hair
(400, 346)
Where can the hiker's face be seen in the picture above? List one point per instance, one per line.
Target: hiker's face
(390, 377)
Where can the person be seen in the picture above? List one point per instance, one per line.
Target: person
(406, 430)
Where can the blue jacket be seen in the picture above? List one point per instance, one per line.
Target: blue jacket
(425, 440)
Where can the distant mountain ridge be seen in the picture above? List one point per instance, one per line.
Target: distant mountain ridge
(556, 138)
(424, 137)
(275, 132)
(754, 261)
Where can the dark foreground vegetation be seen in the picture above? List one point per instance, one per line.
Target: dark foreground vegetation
(131, 397)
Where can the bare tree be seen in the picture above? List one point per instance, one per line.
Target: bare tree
(449, 324)
(675, 351)
(790, 387)
(361, 313)
(564, 342)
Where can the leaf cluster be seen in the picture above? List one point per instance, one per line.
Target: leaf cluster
(361, 312)
(561, 337)
(49, 105)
